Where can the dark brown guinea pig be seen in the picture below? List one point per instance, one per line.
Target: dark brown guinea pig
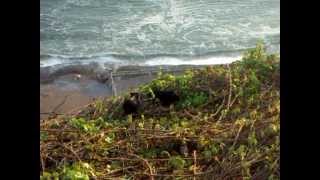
(166, 97)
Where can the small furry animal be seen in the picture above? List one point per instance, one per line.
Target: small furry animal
(166, 97)
(182, 147)
(132, 105)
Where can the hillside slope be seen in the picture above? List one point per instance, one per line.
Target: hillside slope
(226, 125)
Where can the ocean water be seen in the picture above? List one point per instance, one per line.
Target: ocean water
(155, 32)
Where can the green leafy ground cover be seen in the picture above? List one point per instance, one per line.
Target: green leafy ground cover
(226, 125)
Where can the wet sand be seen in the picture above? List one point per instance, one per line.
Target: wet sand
(67, 93)
(70, 91)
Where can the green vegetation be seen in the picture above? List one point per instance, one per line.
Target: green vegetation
(226, 121)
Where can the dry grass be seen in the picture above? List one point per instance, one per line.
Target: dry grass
(227, 122)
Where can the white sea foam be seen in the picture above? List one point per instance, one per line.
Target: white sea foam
(65, 62)
(151, 62)
(51, 62)
(199, 61)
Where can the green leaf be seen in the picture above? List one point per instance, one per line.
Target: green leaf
(176, 162)
(252, 139)
(43, 136)
(207, 154)
(214, 149)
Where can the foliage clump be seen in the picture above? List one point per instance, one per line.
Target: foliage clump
(225, 126)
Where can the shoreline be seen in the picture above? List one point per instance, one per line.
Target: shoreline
(78, 86)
